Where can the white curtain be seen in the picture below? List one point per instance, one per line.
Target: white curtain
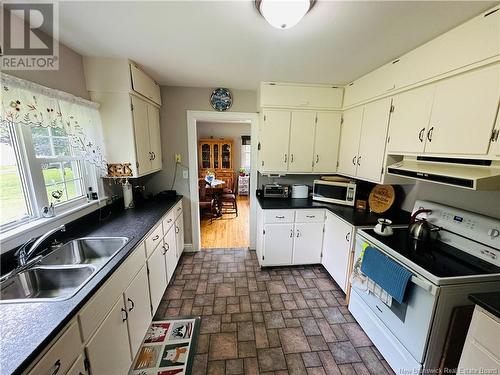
(26, 103)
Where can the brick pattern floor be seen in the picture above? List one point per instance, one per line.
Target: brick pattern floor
(286, 320)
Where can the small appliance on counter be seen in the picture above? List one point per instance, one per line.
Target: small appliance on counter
(276, 191)
(340, 192)
(300, 191)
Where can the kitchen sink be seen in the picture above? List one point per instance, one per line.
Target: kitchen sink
(46, 283)
(89, 250)
(61, 273)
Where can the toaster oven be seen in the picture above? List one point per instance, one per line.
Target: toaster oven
(276, 191)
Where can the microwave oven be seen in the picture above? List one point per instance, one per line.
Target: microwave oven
(334, 192)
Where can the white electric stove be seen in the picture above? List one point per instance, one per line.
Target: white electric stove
(465, 259)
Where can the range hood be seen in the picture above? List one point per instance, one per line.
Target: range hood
(464, 173)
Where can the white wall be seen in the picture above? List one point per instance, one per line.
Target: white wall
(173, 121)
(226, 130)
(482, 202)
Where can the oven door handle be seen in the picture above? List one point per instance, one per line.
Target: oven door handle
(427, 286)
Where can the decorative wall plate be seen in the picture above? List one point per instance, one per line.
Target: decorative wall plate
(221, 99)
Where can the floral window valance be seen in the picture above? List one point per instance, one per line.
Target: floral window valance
(26, 103)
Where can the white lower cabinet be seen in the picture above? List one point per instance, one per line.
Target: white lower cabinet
(308, 243)
(78, 367)
(290, 237)
(179, 235)
(481, 349)
(137, 304)
(108, 350)
(157, 276)
(337, 248)
(278, 244)
(170, 244)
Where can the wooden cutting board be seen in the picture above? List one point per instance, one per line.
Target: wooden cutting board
(381, 198)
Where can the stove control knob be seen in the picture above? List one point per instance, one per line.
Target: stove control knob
(493, 233)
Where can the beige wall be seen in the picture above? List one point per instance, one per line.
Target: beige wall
(175, 102)
(226, 130)
(482, 202)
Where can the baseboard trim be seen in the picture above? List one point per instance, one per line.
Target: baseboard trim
(188, 248)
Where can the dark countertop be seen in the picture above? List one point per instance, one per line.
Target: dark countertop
(348, 213)
(27, 328)
(488, 301)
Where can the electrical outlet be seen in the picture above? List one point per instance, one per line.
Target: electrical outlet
(185, 174)
(178, 158)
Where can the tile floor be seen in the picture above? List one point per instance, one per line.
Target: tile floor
(287, 320)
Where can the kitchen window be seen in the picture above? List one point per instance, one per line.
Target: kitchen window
(51, 153)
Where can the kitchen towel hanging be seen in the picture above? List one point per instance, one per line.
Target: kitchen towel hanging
(385, 272)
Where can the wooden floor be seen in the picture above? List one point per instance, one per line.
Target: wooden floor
(228, 231)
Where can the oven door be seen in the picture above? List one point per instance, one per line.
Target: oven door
(409, 322)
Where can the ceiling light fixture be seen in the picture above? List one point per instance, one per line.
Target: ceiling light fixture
(283, 14)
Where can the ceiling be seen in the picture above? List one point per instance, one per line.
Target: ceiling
(227, 43)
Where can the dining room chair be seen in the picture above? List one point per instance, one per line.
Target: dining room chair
(206, 203)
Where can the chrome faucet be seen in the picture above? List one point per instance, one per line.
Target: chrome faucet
(23, 255)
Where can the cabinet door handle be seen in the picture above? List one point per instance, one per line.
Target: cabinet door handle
(164, 250)
(317, 159)
(291, 158)
(132, 304)
(280, 217)
(56, 367)
(347, 236)
(354, 160)
(311, 216)
(359, 158)
(291, 233)
(169, 221)
(298, 233)
(286, 157)
(176, 229)
(154, 155)
(125, 314)
(421, 135)
(429, 134)
(156, 237)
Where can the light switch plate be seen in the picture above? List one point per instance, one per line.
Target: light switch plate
(185, 174)
(178, 158)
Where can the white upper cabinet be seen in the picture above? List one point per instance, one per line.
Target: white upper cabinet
(463, 114)
(132, 139)
(301, 141)
(274, 137)
(410, 119)
(326, 143)
(144, 85)
(372, 143)
(474, 41)
(283, 95)
(349, 141)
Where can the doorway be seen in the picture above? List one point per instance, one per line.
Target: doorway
(222, 162)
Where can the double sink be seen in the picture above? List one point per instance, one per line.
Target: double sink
(63, 272)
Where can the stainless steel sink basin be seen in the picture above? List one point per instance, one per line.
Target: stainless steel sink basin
(62, 273)
(45, 283)
(90, 250)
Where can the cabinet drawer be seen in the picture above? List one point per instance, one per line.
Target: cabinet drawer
(61, 355)
(94, 312)
(310, 216)
(486, 332)
(78, 367)
(168, 221)
(177, 210)
(279, 216)
(154, 238)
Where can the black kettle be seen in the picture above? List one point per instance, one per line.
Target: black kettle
(420, 230)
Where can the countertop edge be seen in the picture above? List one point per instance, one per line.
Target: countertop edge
(483, 300)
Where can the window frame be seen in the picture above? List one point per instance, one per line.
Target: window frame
(36, 195)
